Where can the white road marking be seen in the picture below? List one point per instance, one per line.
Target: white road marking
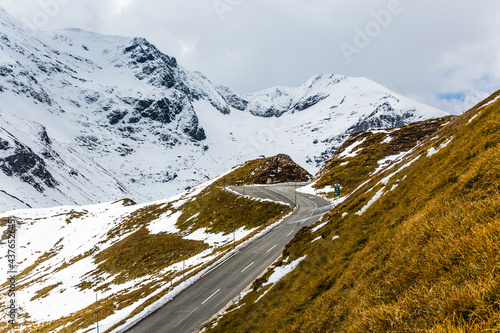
(217, 265)
(244, 269)
(291, 232)
(272, 248)
(190, 313)
(306, 219)
(209, 297)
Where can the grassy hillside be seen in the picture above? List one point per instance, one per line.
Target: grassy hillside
(366, 152)
(132, 255)
(415, 248)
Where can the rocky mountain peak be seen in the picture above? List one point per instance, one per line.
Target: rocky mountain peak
(110, 116)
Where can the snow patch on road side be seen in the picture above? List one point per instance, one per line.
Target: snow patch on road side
(263, 294)
(308, 189)
(219, 239)
(319, 226)
(282, 271)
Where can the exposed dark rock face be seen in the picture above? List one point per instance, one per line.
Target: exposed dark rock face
(116, 116)
(163, 111)
(5, 71)
(308, 102)
(384, 116)
(44, 137)
(195, 130)
(232, 98)
(268, 113)
(156, 67)
(20, 161)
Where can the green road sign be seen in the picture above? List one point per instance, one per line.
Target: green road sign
(337, 190)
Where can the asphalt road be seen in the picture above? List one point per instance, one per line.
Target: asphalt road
(199, 302)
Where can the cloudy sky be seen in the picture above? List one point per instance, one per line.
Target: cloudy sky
(445, 53)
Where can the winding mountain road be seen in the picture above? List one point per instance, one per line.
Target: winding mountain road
(199, 302)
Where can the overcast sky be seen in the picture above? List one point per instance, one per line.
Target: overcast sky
(444, 53)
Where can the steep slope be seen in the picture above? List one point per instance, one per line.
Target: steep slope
(413, 248)
(133, 256)
(104, 117)
(368, 153)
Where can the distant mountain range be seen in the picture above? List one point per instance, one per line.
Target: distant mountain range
(87, 118)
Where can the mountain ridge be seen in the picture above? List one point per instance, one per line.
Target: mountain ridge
(114, 117)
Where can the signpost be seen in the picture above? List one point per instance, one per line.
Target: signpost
(337, 190)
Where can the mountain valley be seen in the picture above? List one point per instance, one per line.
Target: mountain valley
(88, 118)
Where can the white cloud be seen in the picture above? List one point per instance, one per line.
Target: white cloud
(121, 5)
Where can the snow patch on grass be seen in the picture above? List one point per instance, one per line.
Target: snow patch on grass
(349, 151)
(433, 151)
(377, 196)
(386, 161)
(387, 139)
(166, 223)
(491, 102)
(282, 271)
(319, 226)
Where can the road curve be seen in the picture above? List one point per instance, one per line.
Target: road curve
(199, 302)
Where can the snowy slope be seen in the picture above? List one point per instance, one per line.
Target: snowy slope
(87, 118)
(59, 252)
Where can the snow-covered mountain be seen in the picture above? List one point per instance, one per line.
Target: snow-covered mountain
(87, 118)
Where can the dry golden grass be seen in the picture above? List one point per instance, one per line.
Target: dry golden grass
(372, 150)
(425, 257)
(44, 292)
(144, 254)
(219, 210)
